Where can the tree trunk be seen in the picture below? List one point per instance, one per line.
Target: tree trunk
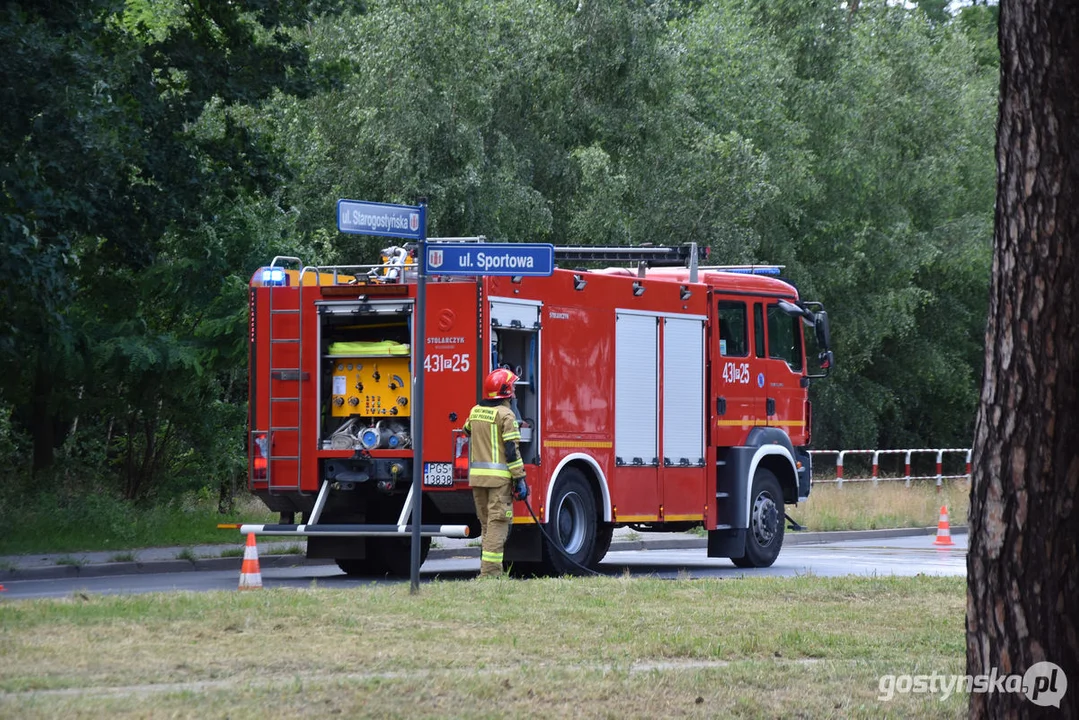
(1023, 566)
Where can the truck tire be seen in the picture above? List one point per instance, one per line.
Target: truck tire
(386, 556)
(764, 537)
(393, 555)
(572, 525)
(357, 567)
(525, 570)
(604, 535)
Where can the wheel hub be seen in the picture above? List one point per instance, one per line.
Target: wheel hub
(765, 519)
(569, 522)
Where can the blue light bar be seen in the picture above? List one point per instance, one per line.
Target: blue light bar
(274, 276)
(758, 270)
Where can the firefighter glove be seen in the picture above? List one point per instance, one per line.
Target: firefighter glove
(520, 490)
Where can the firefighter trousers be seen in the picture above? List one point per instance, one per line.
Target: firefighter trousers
(494, 507)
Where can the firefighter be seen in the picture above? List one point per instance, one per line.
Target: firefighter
(495, 466)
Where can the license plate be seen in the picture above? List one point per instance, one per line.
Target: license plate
(437, 474)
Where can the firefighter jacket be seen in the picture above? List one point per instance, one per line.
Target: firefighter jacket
(492, 428)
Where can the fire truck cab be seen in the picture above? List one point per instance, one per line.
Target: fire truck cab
(661, 396)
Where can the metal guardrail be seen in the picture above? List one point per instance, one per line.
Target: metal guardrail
(875, 455)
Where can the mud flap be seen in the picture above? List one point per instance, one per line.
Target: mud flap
(726, 543)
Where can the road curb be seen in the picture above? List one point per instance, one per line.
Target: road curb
(817, 538)
(154, 567)
(791, 538)
(73, 571)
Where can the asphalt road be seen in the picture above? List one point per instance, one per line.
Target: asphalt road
(904, 556)
(901, 556)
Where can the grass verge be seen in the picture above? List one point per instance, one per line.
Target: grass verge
(890, 504)
(269, 549)
(103, 523)
(594, 647)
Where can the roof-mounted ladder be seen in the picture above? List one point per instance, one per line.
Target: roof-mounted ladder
(643, 255)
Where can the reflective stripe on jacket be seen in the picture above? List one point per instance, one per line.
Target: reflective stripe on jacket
(490, 428)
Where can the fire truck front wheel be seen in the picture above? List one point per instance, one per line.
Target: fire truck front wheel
(572, 524)
(764, 538)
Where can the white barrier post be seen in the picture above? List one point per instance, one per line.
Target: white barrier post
(876, 458)
(839, 469)
(907, 463)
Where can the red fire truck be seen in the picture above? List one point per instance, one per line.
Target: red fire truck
(659, 395)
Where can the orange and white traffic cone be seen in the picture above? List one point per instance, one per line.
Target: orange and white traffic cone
(250, 575)
(944, 533)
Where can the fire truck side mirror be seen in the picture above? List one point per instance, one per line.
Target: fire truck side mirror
(823, 330)
(823, 334)
(792, 310)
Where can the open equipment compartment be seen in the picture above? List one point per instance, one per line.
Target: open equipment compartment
(515, 345)
(365, 375)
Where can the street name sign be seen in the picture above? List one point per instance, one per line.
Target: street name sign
(533, 259)
(370, 218)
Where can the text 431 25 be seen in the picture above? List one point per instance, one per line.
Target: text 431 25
(457, 362)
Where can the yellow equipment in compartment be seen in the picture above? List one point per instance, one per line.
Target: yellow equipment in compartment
(371, 387)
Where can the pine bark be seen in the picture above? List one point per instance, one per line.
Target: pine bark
(1023, 565)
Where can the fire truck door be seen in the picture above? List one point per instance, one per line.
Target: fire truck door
(683, 418)
(683, 388)
(737, 402)
(786, 363)
(636, 416)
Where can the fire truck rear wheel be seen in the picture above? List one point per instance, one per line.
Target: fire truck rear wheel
(572, 523)
(394, 555)
(764, 538)
(385, 556)
(357, 567)
(604, 535)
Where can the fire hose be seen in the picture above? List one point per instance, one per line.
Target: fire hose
(556, 546)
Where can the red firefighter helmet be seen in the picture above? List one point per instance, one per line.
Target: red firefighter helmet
(499, 384)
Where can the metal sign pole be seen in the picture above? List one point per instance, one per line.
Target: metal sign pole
(464, 256)
(418, 350)
(409, 222)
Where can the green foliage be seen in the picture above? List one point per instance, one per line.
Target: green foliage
(14, 445)
(94, 519)
(979, 23)
(601, 190)
(157, 152)
(896, 237)
(128, 148)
